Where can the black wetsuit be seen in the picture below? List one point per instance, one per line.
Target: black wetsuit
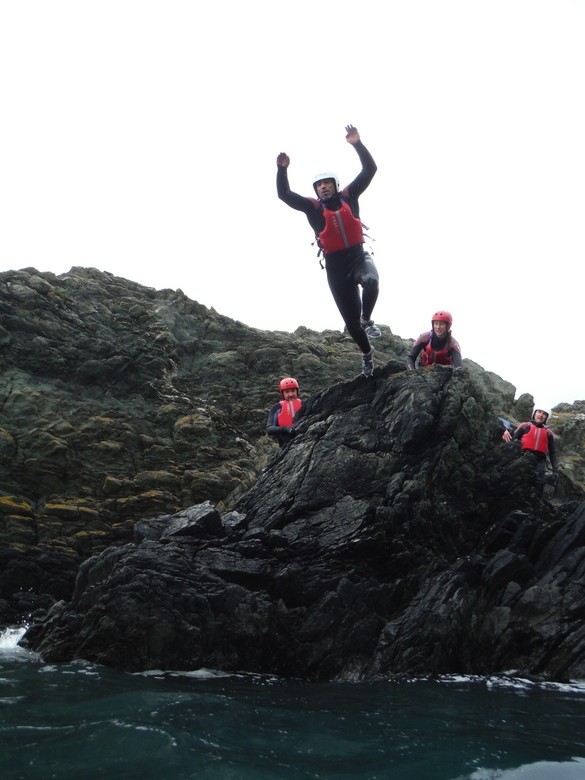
(540, 457)
(349, 268)
(282, 433)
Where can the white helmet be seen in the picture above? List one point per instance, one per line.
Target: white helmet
(542, 409)
(326, 175)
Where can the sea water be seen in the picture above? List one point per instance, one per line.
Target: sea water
(81, 720)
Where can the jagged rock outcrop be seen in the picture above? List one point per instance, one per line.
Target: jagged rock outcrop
(132, 443)
(130, 401)
(396, 534)
(119, 402)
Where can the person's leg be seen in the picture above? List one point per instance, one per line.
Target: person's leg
(347, 299)
(365, 274)
(540, 476)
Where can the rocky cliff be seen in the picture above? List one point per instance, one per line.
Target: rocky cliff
(395, 534)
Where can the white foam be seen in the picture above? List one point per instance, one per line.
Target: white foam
(9, 647)
(10, 637)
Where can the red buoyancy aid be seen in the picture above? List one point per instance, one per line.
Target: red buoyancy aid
(429, 356)
(288, 409)
(341, 230)
(536, 439)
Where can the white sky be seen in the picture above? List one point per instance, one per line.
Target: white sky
(140, 138)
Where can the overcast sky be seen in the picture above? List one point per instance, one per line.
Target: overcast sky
(140, 138)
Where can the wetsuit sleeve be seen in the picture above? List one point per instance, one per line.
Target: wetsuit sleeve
(520, 431)
(292, 199)
(457, 359)
(416, 350)
(552, 452)
(366, 174)
(272, 428)
(456, 354)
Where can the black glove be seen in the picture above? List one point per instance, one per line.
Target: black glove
(555, 478)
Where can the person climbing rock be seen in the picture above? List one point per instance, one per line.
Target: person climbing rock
(537, 439)
(335, 218)
(436, 345)
(281, 416)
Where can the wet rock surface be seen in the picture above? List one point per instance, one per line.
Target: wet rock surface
(395, 535)
(147, 522)
(119, 402)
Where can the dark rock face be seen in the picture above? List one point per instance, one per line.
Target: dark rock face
(111, 390)
(396, 534)
(146, 521)
(119, 402)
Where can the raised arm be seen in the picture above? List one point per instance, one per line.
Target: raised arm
(284, 192)
(369, 167)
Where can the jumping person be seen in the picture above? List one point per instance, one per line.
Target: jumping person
(282, 414)
(536, 438)
(436, 345)
(334, 216)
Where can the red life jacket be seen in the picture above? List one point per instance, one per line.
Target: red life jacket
(536, 439)
(288, 409)
(429, 356)
(341, 230)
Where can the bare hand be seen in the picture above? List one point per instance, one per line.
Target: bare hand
(283, 160)
(507, 436)
(352, 136)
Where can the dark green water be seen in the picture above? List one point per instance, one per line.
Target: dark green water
(79, 720)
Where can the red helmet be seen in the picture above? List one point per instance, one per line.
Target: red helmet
(442, 316)
(287, 383)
